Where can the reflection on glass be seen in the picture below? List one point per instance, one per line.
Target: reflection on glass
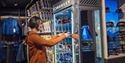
(90, 36)
(85, 31)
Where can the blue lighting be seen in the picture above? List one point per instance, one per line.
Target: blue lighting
(85, 31)
(112, 15)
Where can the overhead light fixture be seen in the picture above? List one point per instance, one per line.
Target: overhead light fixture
(15, 4)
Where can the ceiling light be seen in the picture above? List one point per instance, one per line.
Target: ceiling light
(15, 4)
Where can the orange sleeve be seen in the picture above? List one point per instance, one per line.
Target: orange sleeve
(41, 41)
(53, 37)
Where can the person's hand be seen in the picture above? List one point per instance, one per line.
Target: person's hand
(75, 36)
(67, 34)
(60, 34)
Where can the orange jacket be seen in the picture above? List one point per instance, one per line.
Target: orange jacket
(37, 44)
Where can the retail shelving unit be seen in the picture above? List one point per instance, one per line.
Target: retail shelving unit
(64, 22)
(90, 31)
(114, 31)
(70, 16)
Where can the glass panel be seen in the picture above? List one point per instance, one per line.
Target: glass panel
(98, 34)
(86, 32)
(63, 50)
(90, 36)
(87, 45)
(98, 37)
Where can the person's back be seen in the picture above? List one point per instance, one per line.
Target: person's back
(37, 53)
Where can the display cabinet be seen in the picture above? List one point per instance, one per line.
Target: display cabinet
(63, 23)
(80, 17)
(66, 51)
(90, 35)
(114, 28)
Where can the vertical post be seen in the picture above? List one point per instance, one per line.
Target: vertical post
(54, 30)
(72, 22)
(99, 56)
(75, 26)
(103, 28)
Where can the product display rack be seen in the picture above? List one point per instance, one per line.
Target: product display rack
(65, 51)
(61, 50)
(115, 29)
(74, 10)
(90, 31)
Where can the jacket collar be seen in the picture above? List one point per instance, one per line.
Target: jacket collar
(31, 32)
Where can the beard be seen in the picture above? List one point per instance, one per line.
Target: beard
(40, 28)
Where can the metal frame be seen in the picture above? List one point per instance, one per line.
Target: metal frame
(76, 7)
(63, 8)
(94, 7)
(103, 28)
(64, 30)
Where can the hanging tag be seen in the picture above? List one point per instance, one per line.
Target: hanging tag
(14, 30)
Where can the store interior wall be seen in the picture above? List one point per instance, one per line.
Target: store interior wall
(13, 7)
(16, 7)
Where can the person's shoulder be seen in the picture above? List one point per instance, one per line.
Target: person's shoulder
(32, 33)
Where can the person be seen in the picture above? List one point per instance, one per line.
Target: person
(36, 43)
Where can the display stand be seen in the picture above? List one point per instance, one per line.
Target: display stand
(64, 22)
(73, 9)
(10, 42)
(111, 12)
(91, 43)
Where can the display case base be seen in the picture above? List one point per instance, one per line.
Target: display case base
(116, 60)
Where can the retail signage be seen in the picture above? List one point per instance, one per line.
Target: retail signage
(63, 4)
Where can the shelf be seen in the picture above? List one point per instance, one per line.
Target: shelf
(45, 20)
(46, 9)
(116, 56)
(120, 24)
(86, 40)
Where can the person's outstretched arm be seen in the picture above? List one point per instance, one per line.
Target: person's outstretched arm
(41, 41)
